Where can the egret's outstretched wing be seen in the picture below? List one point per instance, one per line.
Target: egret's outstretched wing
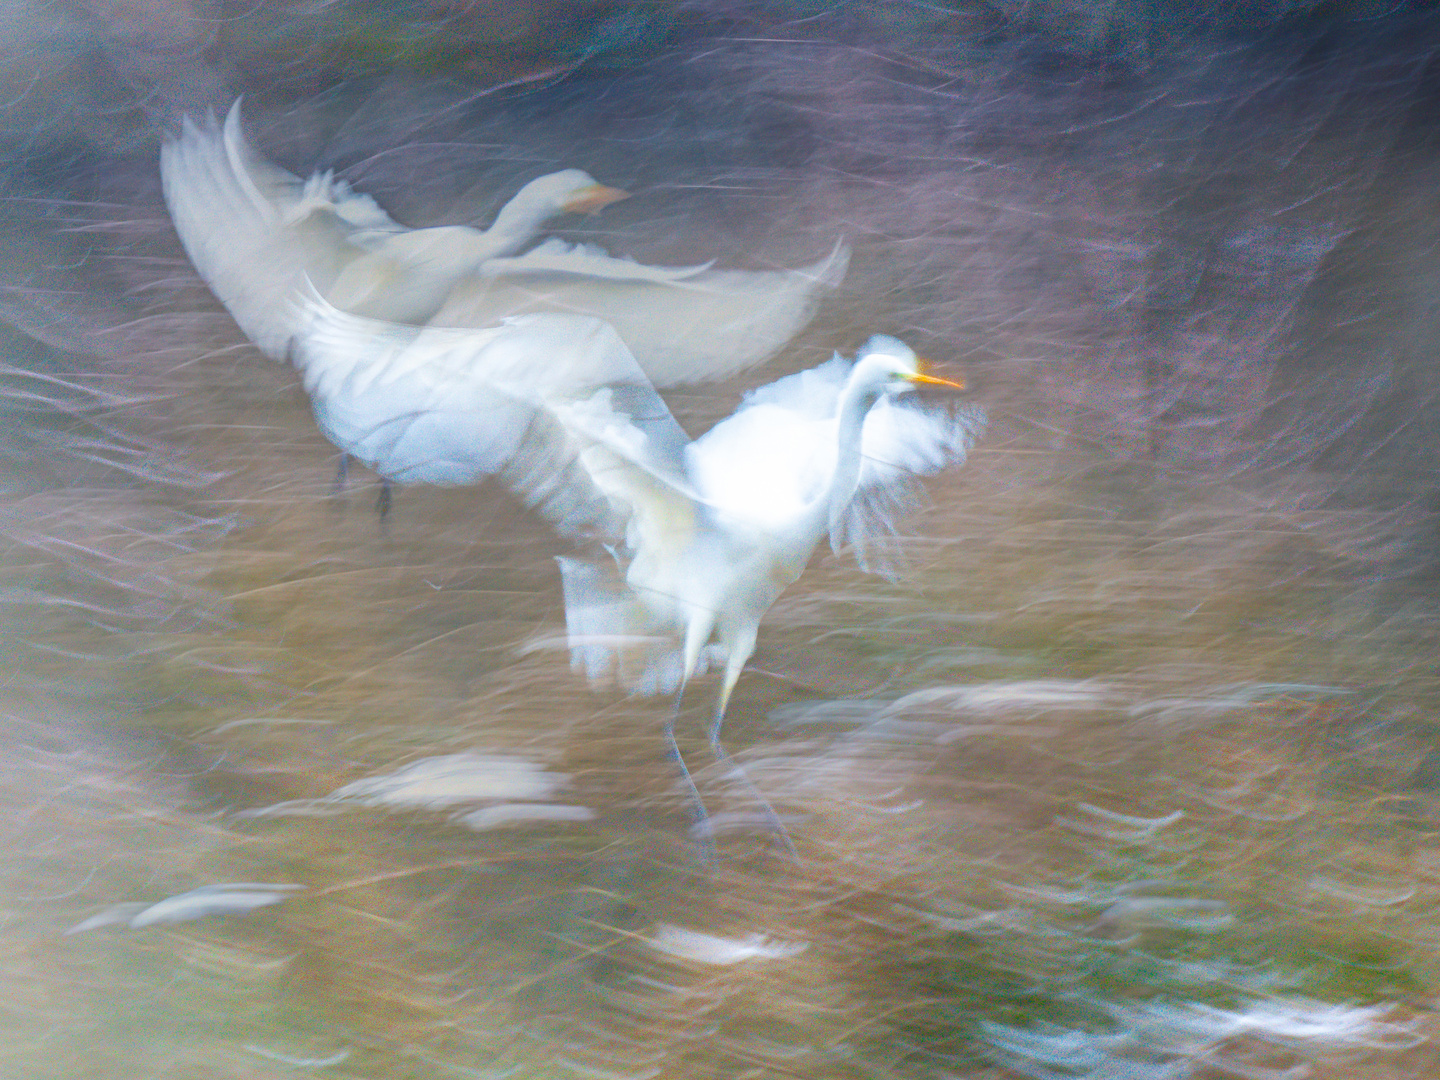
(902, 442)
(642, 475)
(523, 401)
(793, 420)
(610, 624)
(252, 229)
(683, 325)
(232, 227)
(613, 624)
(294, 199)
(555, 256)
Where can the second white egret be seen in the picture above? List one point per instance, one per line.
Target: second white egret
(255, 232)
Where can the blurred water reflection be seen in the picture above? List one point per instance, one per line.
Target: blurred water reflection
(1130, 771)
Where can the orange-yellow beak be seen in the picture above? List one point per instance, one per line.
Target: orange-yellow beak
(922, 375)
(593, 199)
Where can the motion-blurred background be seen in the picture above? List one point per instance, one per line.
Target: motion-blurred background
(1132, 769)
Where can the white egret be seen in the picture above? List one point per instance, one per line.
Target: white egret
(254, 230)
(829, 451)
(712, 530)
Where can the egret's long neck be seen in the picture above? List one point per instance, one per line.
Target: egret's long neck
(856, 400)
(426, 264)
(517, 223)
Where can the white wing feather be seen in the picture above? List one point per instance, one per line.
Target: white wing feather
(684, 325)
(794, 420)
(254, 231)
(536, 401)
(233, 226)
(903, 441)
(555, 256)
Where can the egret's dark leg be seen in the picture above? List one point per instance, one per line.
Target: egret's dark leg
(733, 665)
(382, 503)
(342, 473)
(700, 826)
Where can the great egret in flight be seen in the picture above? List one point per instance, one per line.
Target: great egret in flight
(708, 533)
(254, 231)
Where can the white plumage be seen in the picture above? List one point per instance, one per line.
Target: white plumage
(447, 405)
(255, 232)
(831, 451)
(683, 324)
(707, 534)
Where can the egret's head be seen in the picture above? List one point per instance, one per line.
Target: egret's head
(894, 367)
(570, 191)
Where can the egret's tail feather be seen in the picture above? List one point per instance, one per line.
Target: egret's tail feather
(613, 634)
(594, 615)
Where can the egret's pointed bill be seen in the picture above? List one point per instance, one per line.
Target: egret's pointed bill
(922, 375)
(593, 199)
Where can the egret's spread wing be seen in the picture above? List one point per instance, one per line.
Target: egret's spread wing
(643, 475)
(338, 352)
(683, 325)
(609, 622)
(251, 228)
(546, 357)
(575, 360)
(902, 440)
(722, 321)
(232, 229)
(292, 198)
(534, 401)
(555, 256)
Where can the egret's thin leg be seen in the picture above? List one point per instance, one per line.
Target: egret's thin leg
(382, 503)
(733, 665)
(342, 474)
(700, 826)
